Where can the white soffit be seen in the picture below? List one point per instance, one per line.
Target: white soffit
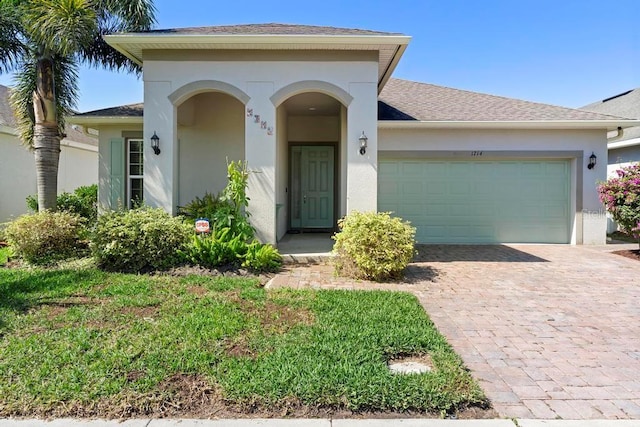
(390, 47)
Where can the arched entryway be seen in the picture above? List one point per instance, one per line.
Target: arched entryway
(311, 130)
(210, 131)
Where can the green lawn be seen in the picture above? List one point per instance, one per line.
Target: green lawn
(83, 342)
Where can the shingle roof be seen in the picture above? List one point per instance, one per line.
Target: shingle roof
(626, 104)
(7, 119)
(131, 110)
(269, 29)
(408, 100)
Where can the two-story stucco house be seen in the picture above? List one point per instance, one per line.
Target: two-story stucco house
(327, 130)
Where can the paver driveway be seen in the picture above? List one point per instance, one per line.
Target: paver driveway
(550, 331)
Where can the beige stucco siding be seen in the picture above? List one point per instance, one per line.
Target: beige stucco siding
(213, 133)
(262, 86)
(78, 166)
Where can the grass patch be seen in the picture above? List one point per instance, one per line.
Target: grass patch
(90, 343)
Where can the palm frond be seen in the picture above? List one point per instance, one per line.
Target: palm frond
(131, 15)
(99, 54)
(11, 44)
(60, 26)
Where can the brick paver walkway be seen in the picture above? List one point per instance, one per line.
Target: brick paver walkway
(549, 331)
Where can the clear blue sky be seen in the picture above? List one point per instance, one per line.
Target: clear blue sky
(562, 52)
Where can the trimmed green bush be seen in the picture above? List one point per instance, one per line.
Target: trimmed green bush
(83, 202)
(46, 237)
(139, 240)
(373, 246)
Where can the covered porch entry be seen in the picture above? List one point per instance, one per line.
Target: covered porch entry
(311, 173)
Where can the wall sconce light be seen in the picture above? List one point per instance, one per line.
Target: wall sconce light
(363, 143)
(155, 143)
(592, 161)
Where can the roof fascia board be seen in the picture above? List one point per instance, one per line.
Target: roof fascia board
(392, 65)
(119, 41)
(622, 144)
(104, 120)
(523, 124)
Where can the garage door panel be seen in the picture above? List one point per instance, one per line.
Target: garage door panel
(479, 201)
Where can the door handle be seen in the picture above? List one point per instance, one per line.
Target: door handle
(304, 199)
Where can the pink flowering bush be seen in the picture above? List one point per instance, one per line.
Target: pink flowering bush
(621, 197)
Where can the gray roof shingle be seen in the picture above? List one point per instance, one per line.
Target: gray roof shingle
(626, 104)
(269, 29)
(130, 110)
(408, 100)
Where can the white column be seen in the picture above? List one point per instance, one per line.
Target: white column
(362, 170)
(160, 171)
(260, 153)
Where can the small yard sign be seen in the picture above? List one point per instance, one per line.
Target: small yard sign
(202, 225)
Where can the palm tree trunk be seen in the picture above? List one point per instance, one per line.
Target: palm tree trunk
(46, 136)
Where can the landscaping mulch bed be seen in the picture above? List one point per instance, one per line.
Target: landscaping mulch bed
(631, 254)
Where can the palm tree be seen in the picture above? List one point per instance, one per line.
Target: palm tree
(44, 42)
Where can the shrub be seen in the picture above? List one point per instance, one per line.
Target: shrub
(212, 252)
(231, 241)
(621, 197)
(373, 246)
(83, 202)
(262, 257)
(202, 207)
(46, 237)
(139, 240)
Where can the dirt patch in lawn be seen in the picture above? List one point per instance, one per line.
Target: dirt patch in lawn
(192, 396)
(149, 311)
(631, 254)
(273, 318)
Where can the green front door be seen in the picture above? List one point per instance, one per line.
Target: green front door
(312, 187)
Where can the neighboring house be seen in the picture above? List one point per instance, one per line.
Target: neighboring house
(623, 144)
(316, 114)
(78, 163)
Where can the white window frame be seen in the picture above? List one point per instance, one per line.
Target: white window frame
(130, 177)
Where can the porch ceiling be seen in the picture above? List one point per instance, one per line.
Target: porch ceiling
(312, 104)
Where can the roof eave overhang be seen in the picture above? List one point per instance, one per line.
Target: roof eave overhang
(93, 121)
(622, 144)
(524, 124)
(133, 45)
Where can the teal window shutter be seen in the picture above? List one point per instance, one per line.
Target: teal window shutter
(117, 196)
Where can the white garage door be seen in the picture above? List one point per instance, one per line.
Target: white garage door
(506, 201)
